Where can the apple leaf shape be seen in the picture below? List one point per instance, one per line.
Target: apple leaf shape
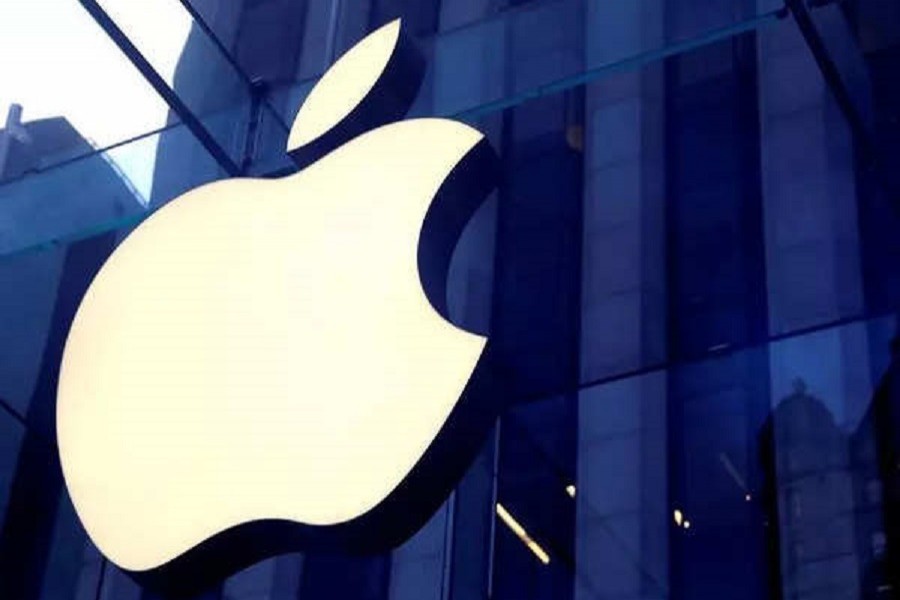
(372, 84)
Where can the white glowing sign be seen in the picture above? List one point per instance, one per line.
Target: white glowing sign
(263, 349)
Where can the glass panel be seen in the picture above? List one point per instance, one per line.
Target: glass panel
(226, 110)
(104, 189)
(687, 270)
(688, 176)
(100, 191)
(861, 42)
(481, 62)
(754, 475)
(192, 63)
(41, 543)
(58, 63)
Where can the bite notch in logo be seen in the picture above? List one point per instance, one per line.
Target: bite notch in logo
(266, 366)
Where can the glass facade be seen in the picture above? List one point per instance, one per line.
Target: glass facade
(691, 265)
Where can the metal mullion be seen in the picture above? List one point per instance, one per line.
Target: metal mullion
(254, 87)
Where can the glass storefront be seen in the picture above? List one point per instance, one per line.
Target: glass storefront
(690, 265)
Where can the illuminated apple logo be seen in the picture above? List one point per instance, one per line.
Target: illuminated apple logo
(266, 365)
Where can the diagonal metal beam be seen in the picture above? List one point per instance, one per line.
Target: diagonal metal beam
(859, 129)
(832, 75)
(12, 412)
(185, 114)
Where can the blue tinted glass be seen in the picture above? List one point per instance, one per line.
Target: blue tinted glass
(690, 269)
(99, 191)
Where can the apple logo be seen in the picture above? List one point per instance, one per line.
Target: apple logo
(267, 365)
